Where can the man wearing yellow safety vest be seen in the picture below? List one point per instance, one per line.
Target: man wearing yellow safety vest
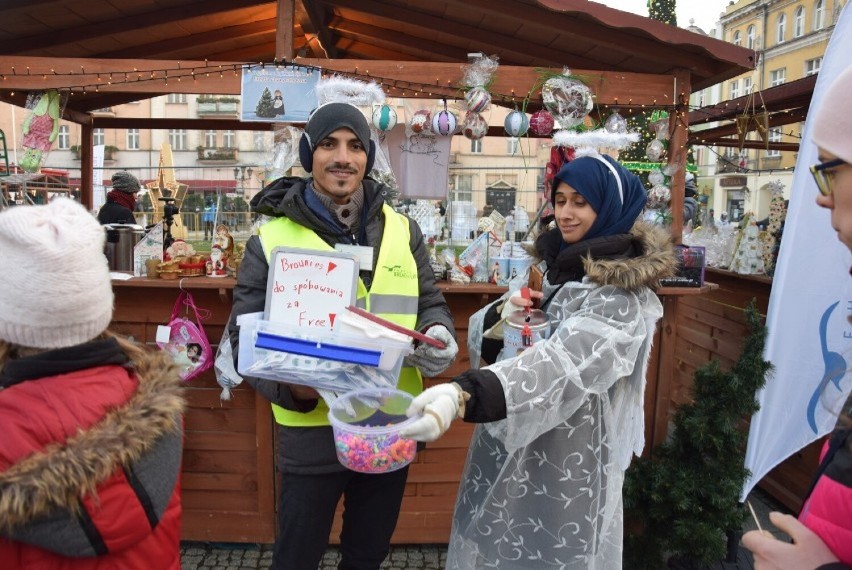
(340, 205)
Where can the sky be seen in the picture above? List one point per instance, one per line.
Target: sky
(704, 12)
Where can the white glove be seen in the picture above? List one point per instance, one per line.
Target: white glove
(438, 406)
(431, 360)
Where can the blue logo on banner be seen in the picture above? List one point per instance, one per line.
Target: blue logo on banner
(834, 368)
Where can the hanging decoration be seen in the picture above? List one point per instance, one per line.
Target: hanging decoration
(477, 99)
(567, 98)
(384, 118)
(420, 122)
(339, 89)
(444, 122)
(516, 124)
(615, 123)
(474, 126)
(41, 127)
(542, 123)
(658, 208)
(753, 119)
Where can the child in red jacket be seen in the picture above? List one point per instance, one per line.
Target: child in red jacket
(92, 432)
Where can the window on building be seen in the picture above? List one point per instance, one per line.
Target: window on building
(819, 15)
(63, 139)
(259, 141)
(177, 139)
(210, 139)
(476, 146)
(799, 22)
(734, 89)
(133, 141)
(781, 29)
(98, 136)
(229, 139)
(774, 136)
(812, 66)
(463, 192)
(738, 38)
(746, 85)
(777, 76)
(512, 145)
(750, 37)
(176, 98)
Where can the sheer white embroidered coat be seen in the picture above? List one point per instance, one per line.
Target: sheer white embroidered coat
(542, 488)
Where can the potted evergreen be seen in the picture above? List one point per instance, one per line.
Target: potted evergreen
(685, 494)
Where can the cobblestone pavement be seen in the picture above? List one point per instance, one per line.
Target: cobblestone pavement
(226, 556)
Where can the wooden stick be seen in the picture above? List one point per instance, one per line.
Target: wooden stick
(754, 516)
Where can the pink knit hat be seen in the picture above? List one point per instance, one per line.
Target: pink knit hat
(832, 129)
(56, 289)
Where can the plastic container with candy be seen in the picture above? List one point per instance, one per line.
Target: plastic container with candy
(366, 425)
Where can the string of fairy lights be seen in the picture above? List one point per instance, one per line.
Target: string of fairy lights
(439, 89)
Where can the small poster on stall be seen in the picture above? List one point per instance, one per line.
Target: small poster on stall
(278, 93)
(149, 247)
(308, 288)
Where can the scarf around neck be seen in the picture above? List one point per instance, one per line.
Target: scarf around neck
(122, 199)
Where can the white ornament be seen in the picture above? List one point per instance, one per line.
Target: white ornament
(655, 150)
(567, 99)
(656, 177)
(444, 123)
(615, 123)
(516, 124)
(384, 118)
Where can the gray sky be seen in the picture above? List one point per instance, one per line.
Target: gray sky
(705, 12)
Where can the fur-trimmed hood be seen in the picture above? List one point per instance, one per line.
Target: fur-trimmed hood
(629, 261)
(656, 261)
(57, 475)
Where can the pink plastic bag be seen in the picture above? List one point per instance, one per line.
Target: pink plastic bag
(188, 342)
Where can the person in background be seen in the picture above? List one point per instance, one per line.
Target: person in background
(208, 218)
(92, 440)
(340, 204)
(561, 421)
(690, 204)
(822, 534)
(121, 200)
(723, 219)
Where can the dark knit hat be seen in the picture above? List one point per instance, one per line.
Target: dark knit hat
(125, 182)
(332, 116)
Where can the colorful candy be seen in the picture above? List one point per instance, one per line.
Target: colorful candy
(369, 453)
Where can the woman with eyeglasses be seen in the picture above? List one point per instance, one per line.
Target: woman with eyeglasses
(822, 534)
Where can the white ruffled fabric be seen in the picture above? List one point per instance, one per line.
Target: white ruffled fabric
(542, 488)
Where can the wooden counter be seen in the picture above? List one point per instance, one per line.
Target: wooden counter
(229, 480)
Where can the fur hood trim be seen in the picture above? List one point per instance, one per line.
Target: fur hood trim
(656, 262)
(58, 475)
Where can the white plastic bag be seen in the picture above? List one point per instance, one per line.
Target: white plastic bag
(226, 375)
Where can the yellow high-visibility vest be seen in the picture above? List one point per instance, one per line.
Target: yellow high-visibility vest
(394, 294)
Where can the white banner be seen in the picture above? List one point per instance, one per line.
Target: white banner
(809, 335)
(98, 194)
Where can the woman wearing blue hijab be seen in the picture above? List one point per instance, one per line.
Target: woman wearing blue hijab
(560, 422)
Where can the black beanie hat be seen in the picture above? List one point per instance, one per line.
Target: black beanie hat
(332, 116)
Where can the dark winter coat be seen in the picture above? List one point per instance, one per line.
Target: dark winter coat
(112, 213)
(311, 449)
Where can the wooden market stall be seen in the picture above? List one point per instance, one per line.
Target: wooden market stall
(411, 50)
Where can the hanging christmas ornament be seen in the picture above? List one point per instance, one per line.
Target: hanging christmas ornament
(568, 99)
(655, 150)
(516, 124)
(474, 126)
(615, 123)
(444, 123)
(659, 196)
(659, 124)
(384, 117)
(541, 123)
(656, 177)
(421, 121)
(477, 99)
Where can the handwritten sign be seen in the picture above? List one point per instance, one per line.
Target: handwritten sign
(308, 288)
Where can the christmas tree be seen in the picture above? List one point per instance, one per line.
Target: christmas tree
(686, 493)
(663, 11)
(264, 106)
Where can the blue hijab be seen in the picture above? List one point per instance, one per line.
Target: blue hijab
(617, 209)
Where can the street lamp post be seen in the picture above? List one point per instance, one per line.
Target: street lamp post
(241, 174)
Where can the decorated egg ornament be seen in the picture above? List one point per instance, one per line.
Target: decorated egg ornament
(384, 118)
(516, 124)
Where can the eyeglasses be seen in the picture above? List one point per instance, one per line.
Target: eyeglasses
(823, 175)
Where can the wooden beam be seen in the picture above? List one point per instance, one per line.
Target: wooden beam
(221, 35)
(285, 23)
(627, 90)
(316, 15)
(793, 95)
(707, 136)
(758, 145)
(397, 41)
(136, 22)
